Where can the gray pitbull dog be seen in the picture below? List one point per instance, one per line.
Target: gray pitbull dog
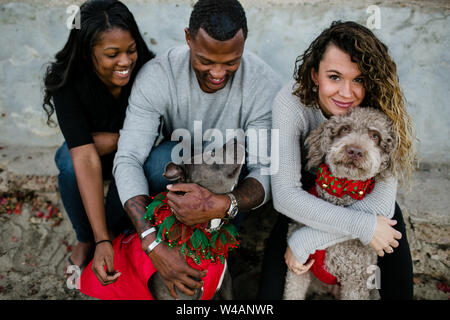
(218, 171)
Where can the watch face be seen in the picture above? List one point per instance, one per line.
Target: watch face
(214, 224)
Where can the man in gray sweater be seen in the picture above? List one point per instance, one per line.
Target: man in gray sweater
(213, 82)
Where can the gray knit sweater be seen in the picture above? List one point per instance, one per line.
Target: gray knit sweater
(166, 96)
(326, 224)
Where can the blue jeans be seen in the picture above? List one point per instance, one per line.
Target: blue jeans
(71, 198)
(116, 216)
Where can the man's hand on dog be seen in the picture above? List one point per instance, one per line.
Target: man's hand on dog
(197, 204)
(384, 237)
(174, 270)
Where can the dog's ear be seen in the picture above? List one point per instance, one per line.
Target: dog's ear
(319, 141)
(315, 154)
(389, 146)
(174, 172)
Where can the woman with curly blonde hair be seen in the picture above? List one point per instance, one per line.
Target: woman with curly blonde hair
(346, 66)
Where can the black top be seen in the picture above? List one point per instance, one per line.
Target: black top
(85, 105)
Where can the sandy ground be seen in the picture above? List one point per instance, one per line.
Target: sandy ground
(32, 254)
(35, 241)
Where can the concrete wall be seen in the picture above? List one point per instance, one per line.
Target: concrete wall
(415, 31)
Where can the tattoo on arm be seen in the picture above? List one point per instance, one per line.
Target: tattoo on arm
(249, 194)
(135, 208)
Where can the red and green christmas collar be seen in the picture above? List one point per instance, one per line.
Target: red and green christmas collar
(338, 187)
(195, 241)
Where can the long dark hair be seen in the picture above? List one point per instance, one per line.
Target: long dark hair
(75, 58)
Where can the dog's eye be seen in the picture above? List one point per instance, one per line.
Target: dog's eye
(375, 136)
(345, 130)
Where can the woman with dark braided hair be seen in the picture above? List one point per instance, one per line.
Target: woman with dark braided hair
(345, 67)
(88, 86)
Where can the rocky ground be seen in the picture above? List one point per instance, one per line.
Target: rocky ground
(36, 235)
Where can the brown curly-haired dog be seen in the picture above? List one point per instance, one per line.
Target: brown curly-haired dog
(357, 146)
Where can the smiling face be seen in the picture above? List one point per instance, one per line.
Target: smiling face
(214, 61)
(114, 56)
(339, 81)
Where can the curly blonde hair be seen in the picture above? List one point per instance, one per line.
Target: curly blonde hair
(380, 81)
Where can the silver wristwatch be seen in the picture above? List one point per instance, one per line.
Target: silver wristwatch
(233, 209)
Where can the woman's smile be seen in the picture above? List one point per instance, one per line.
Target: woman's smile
(123, 74)
(341, 104)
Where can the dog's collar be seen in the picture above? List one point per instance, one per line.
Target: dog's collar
(196, 241)
(338, 187)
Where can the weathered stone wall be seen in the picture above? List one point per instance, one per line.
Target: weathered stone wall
(426, 212)
(416, 32)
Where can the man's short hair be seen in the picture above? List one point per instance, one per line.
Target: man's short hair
(221, 19)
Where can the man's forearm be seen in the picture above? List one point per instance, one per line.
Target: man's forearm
(249, 194)
(136, 208)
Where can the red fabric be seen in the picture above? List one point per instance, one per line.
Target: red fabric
(136, 268)
(318, 268)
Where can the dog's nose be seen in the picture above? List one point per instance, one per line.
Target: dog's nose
(354, 153)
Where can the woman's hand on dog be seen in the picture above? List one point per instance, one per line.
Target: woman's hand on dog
(385, 236)
(197, 204)
(294, 265)
(174, 270)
